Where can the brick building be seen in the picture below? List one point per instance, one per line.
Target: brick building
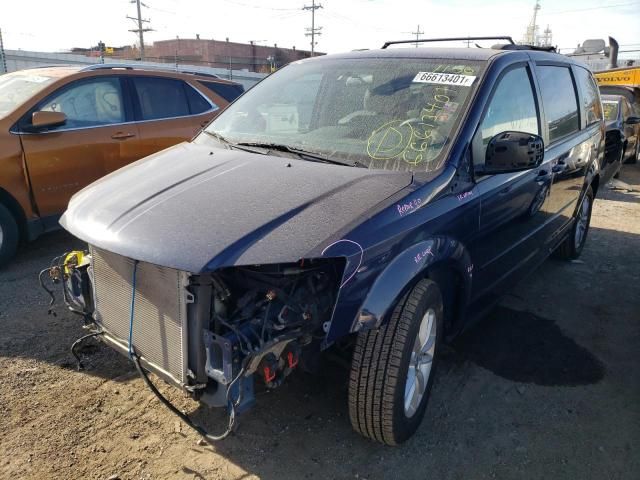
(223, 54)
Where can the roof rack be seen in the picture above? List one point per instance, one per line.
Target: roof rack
(451, 39)
(129, 66)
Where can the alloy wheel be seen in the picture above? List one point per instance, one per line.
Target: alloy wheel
(582, 222)
(420, 363)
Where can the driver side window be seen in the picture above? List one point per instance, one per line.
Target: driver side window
(89, 103)
(512, 108)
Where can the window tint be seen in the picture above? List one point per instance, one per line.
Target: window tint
(197, 103)
(589, 96)
(512, 108)
(559, 99)
(161, 98)
(89, 103)
(227, 91)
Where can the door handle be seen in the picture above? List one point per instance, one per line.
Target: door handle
(122, 135)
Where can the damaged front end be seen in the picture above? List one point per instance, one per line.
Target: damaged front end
(210, 334)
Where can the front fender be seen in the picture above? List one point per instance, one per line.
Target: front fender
(405, 270)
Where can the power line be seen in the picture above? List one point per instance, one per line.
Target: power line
(313, 31)
(140, 30)
(558, 12)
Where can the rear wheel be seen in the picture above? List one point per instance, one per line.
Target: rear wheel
(392, 369)
(572, 246)
(8, 235)
(636, 157)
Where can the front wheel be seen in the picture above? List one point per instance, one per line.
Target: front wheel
(572, 246)
(393, 367)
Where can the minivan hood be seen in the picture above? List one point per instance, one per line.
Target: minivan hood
(195, 208)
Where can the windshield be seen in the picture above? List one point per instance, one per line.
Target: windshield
(388, 113)
(17, 87)
(610, 110)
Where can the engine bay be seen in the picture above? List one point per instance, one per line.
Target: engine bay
(262, 319)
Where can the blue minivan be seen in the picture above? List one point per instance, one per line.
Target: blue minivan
(378, 200)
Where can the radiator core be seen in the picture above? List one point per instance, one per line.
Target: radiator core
(159, 313)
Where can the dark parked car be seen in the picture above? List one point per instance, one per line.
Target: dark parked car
(412, 188)
(622, 130)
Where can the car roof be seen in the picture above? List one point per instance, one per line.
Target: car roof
(444, 53)
(61, 71)
(612, 98)
(53, 71)
(477, 54)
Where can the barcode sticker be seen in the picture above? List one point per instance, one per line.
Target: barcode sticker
(445, 78)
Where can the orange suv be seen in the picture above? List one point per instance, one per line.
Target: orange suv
(63, 127)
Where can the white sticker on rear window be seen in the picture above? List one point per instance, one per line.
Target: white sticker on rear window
(445, 78)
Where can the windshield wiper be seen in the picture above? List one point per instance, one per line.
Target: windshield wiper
(303, 154)
(217, 136)
(229, 144)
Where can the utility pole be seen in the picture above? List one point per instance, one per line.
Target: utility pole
(3, 59)
(175, 57)
(140, 21)
(417, 33)
(313, 31)
(468, 42)
(101, 49)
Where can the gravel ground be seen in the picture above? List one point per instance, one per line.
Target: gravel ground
(547, 387)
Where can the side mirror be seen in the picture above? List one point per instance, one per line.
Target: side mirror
(632, 121)
(512, 152)
(48, 119)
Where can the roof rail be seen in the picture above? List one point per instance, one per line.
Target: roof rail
(452, 39)
(129, 66)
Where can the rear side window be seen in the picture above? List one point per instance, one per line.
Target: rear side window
(512, 108)
(560, 102)
(589, 96)
(161, 98)
(197, 103)
(227, 91)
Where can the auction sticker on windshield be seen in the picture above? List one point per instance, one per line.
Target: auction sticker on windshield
(445, 78)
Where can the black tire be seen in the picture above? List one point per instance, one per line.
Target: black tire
(9, 235)
(636, 156)
(571, 247)
(621, 162)
(380, 366)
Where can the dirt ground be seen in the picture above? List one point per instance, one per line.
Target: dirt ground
(547, 387)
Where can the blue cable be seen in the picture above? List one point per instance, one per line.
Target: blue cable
(133, 302)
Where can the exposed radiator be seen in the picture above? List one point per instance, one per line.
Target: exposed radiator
(159, 321)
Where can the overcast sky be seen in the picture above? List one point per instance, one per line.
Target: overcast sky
(47, 25)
